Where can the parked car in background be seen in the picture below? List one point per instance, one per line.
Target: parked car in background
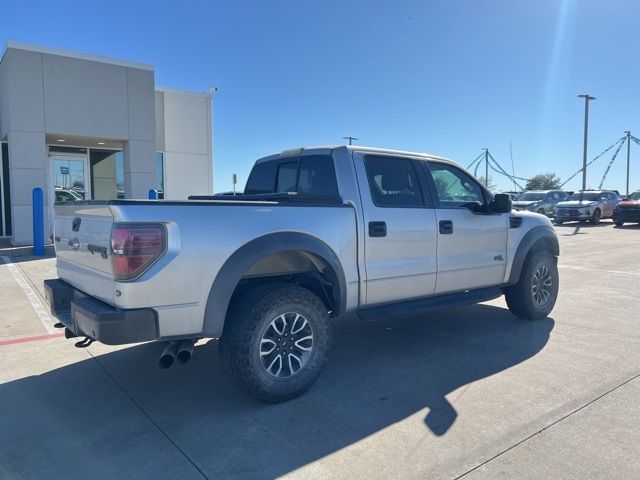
(627, 210)
(64, 195)
(587, 205)
(540, 201)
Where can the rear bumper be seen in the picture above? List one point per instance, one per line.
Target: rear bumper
(85, 315)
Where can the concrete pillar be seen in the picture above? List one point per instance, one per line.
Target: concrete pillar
(139, 168)
(28, 168)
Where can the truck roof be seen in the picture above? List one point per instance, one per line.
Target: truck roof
(328, 149)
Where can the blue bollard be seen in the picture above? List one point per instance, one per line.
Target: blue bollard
(153, 194)
(38, 222)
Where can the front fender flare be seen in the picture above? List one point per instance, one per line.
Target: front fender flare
(531, 238)
(241, 261)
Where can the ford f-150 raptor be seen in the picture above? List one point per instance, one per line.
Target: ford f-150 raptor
(318, 233)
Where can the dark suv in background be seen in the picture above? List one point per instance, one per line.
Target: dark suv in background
(627, 210)
(540, 201)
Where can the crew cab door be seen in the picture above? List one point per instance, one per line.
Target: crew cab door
(472, 243)
(400, 228)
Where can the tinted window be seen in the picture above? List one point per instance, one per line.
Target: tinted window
(393, 182)
(317, 177)
(589, 196)
(262, 178)
(287, 175)
(454, 187)
(530, 196)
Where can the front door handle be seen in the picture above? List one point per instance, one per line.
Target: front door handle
(377, 229)
(446, 227)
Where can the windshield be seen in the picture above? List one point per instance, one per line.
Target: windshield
(634, 196)
(529, 196)
(589, 196)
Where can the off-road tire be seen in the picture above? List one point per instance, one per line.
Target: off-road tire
(520, 297)
(596, 217)
(247, 320)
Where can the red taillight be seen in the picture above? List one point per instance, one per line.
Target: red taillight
(135, 247)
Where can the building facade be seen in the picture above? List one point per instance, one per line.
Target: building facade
(87, 127)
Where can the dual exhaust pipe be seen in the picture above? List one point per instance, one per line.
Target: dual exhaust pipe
(182, 350)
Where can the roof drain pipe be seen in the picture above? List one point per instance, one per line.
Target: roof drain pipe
(185, 349)
(168, 355)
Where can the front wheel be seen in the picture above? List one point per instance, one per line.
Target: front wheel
(558, 221)
(595, 218)
(618, 223)
(535, 294)
(275, 341)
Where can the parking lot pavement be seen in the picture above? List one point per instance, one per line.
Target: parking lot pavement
(470, 392)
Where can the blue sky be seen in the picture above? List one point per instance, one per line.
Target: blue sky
(447, 77)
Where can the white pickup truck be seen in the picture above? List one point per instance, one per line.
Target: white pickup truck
(318, 233)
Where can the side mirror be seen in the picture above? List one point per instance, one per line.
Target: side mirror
(501, 203)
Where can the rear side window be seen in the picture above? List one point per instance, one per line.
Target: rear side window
(393, 182)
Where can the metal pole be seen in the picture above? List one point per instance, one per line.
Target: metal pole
(587, 98)
(38, 221)
(486, 168)
(628, 157)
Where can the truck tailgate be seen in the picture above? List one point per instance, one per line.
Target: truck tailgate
(82, 236)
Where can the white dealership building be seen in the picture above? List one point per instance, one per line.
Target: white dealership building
(87, 127)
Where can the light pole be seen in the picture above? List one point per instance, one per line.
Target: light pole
(587, 98)
(628, 134)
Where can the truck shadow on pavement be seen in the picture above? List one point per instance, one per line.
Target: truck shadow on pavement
(110, 414)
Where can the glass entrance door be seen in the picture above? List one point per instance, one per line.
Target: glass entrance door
(69, 180)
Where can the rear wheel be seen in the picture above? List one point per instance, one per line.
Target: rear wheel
(275, 341)
(535, 294)
(595, 218)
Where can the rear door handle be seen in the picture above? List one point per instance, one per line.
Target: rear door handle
(446, 227)
(377, 229)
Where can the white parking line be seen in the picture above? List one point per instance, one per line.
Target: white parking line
(41, 310)
(618, 272)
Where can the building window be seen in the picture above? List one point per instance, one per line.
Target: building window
(5, 217)
(107, 174)
(160, 174)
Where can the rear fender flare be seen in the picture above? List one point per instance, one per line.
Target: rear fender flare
(241, 261)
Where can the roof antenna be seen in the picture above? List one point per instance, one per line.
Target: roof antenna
(351, 139)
